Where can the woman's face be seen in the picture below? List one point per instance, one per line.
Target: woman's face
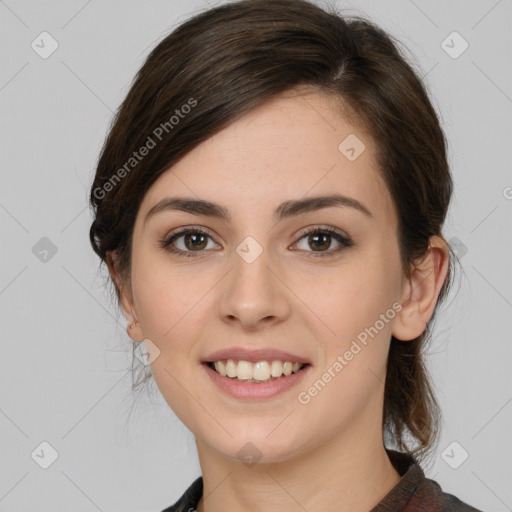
(257, 281)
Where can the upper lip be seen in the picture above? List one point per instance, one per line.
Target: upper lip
(253, 355)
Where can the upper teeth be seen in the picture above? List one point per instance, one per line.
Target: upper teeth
(260, 371)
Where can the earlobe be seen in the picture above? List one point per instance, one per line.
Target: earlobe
(133, 328)
(135, 331)
(421, 291)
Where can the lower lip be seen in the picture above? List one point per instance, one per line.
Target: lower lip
(254, 390)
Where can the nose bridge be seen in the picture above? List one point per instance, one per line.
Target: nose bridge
(252, 292)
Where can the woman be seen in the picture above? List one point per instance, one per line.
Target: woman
(269, 203)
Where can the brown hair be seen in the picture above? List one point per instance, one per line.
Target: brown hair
(225, 61)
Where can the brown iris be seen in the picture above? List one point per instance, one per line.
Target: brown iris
(196, 242)
(315, 237)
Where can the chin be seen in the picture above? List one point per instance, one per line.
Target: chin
(258, 449)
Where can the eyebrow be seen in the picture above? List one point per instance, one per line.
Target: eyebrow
(283, 211)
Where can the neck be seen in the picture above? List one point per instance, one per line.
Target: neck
(353, 475)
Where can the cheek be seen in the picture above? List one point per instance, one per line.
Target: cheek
(357, 307)
(167, 298)
(351, 298)
(349, 380)
(169, 305)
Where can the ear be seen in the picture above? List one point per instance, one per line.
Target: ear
(421, 291)
(133, 327)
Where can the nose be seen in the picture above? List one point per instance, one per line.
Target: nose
(254, 294)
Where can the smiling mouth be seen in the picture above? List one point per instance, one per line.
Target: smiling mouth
(262, 371)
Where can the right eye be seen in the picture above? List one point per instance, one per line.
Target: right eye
(194, 240)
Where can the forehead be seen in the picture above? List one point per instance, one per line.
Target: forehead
(292, 146)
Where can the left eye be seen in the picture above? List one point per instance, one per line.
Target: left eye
(321, 239)
(196, 241)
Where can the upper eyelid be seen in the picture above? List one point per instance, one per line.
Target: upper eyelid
(189, 229)
(304, 231)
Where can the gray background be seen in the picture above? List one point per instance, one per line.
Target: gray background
(65, 363)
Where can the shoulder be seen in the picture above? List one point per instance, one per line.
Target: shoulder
(430, 497)
(416, 493)
(190, 498)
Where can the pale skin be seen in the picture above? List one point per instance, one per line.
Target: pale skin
(313, 306)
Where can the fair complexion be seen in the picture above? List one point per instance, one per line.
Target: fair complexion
(289, 298)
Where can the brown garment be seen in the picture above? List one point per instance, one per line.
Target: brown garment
(413, 493)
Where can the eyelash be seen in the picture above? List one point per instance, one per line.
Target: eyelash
(343, 240)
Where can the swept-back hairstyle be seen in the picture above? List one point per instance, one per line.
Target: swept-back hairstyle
(225, 61)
